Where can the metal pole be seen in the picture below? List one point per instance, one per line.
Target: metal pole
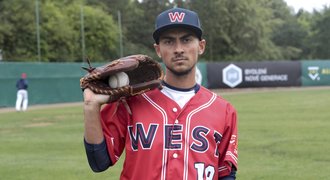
(38, 29)
(82, 29)
(120, 35)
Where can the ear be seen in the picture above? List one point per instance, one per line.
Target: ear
(157, 49)
(202, 45)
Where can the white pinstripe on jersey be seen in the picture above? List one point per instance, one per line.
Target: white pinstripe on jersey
(186, 152)
(165, 121)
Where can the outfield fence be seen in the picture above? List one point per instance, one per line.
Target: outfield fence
(59, 82)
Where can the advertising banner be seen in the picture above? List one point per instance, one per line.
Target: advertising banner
(315, 73)
(254, 74)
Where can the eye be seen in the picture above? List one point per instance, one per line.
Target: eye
(187, 40)
(166, 41)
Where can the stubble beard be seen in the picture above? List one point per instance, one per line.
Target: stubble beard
(180, 73)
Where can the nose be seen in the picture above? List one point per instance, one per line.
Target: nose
(179, 48)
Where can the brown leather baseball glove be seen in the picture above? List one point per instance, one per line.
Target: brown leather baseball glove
(144, 74)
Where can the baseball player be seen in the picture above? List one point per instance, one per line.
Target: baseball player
(182, 131)
(22, 93)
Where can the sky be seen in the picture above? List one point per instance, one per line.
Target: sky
(307, 5)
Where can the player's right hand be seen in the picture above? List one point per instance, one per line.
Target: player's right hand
(92, 99)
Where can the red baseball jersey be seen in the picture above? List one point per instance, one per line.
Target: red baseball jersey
(163, 141)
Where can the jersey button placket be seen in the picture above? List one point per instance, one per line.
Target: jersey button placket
(175, 111)
(174, 157)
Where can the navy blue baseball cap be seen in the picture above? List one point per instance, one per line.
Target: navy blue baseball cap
(177, 17)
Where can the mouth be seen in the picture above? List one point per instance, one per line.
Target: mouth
(179, 59)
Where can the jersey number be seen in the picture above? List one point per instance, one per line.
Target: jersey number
(201, 171)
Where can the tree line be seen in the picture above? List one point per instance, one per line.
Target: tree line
(235, 30)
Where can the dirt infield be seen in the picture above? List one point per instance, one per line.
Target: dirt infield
(42, 106)
(218, 91)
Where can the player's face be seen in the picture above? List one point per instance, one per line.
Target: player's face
(179, 48)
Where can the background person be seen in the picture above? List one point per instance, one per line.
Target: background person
(22, 93)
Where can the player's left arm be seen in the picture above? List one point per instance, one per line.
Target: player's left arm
(228, 147)
(231, 176)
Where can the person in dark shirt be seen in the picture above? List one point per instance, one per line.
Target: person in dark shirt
(22, 93)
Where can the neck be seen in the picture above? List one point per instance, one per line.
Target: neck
(195, 88)
(183, 82)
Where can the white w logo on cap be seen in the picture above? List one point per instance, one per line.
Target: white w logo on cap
(176, 16)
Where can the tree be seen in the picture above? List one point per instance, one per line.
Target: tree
(137, 22)
(305, 20)
(60, 37)
(240, 30)
(102, 34)
(237, 30)
(17, 30)
(140, 25)
(321, 36)
(290, 35)
(59, 40)
(61, 34)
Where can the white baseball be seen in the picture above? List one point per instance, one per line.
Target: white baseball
(118, 80)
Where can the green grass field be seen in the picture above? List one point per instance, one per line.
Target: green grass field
(283, 134)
